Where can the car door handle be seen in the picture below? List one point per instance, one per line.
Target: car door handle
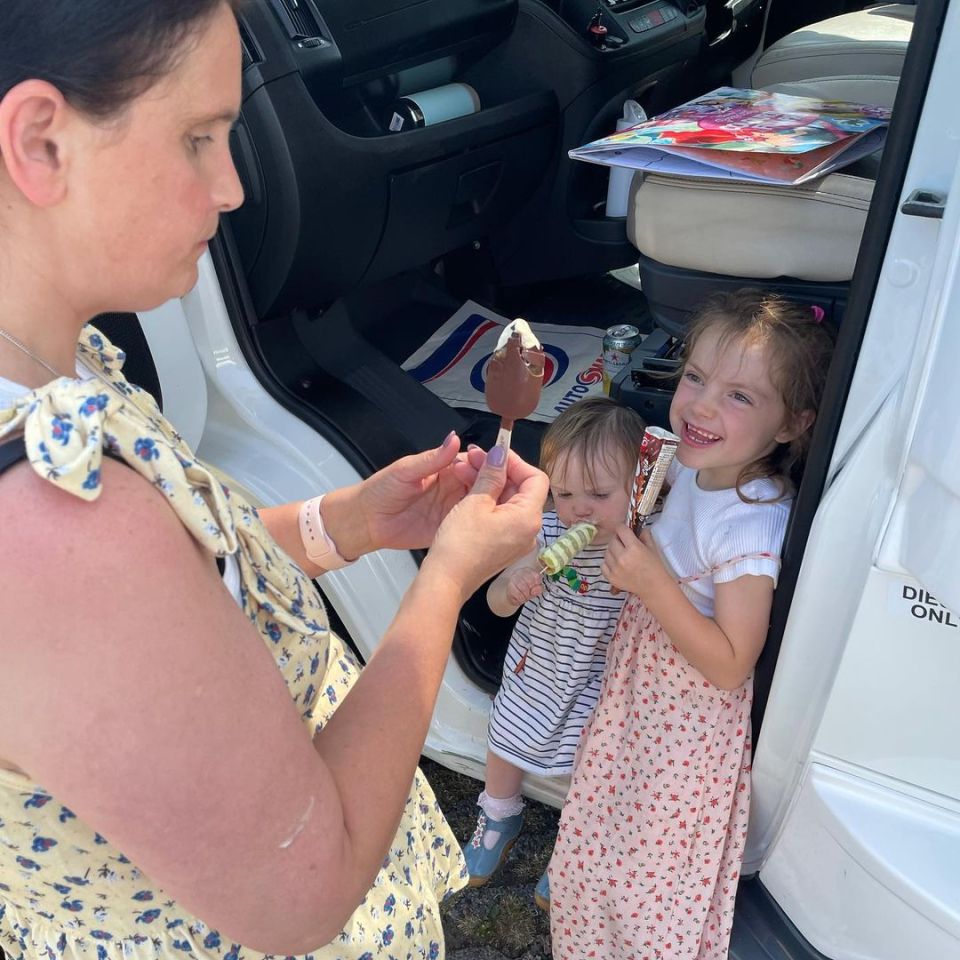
(924, 203)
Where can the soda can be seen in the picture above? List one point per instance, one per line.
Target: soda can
(618, 343)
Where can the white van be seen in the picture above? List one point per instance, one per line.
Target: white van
(282, 368)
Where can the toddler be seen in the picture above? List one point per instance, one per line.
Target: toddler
(554, 662)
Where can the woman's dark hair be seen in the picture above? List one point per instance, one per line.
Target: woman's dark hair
(799, 348)
(100, 54)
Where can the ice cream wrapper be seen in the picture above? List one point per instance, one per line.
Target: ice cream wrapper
(657, 451)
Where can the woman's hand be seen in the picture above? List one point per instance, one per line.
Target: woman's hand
(491, 527)
(402, 505)
(631, 563)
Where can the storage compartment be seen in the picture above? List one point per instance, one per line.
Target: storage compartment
(366, 109)
(328, 210)
(440, 206)
(377, 35)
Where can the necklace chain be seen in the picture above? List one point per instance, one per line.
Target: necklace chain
(21, 346)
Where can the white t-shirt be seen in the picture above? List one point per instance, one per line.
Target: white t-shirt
(712, 536)
(10, 392)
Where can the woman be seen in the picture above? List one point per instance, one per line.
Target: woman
(142, 712)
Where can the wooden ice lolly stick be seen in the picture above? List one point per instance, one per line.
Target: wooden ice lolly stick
(504, 435)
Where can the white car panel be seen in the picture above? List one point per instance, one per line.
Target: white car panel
(867, 872)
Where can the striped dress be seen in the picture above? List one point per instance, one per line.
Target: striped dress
(553, 666)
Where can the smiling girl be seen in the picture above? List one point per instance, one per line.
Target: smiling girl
(651, 836)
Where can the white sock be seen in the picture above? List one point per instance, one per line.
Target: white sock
(498, 808)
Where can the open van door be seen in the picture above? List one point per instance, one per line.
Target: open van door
(856, 829)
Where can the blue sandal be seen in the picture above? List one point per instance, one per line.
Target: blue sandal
(481, 862)
(541, 895)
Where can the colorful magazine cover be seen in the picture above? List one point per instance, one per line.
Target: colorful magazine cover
(753, 135)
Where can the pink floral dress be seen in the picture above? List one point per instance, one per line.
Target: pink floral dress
(652, 832)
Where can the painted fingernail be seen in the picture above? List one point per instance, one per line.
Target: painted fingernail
(496, 456)
(448, 438)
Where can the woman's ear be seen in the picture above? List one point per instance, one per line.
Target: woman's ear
(32, 120)
(797, 426)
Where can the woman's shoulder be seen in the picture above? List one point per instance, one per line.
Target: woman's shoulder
(48, 526)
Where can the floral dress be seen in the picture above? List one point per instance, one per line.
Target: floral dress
(651, 837)
(65, 891)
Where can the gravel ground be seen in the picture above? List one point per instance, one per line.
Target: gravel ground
(500, 920)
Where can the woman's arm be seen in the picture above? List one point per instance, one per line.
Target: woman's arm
(283, 523)
(400, 506)
(167, 727)
(723, 648)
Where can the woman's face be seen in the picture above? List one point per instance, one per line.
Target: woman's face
(146, 189)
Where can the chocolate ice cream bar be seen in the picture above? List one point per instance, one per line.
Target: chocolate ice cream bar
(657, 451)
(514, 377)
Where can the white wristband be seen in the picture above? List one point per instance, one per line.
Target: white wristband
(317, 543)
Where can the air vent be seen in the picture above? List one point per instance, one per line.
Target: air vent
(298, 19)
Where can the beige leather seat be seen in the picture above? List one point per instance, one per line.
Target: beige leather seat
(809, 232)
(856, 56)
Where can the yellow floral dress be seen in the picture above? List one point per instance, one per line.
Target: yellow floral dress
(65, 891)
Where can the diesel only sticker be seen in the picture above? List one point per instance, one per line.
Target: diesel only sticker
(920, 604)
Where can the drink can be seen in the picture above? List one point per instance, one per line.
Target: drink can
(618, 343)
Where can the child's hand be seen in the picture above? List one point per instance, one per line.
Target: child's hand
(524, 585)
(631, 562)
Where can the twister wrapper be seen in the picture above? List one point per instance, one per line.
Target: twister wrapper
(657, 451)
(555, 557)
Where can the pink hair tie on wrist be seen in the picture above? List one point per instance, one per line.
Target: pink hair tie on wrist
(817, 312)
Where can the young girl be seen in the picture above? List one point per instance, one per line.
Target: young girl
(651, 836)
(554, 662)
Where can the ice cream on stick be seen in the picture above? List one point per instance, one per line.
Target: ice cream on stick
(555, 557)
(514, 378)
(657, 451)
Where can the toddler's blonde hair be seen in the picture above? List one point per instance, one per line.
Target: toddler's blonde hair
(597, 430)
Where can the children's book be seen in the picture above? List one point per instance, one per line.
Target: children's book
(746, 135)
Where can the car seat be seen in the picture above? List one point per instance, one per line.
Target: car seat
(855, 56)
(697, 235)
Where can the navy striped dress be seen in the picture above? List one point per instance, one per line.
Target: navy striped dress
(554, 664)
